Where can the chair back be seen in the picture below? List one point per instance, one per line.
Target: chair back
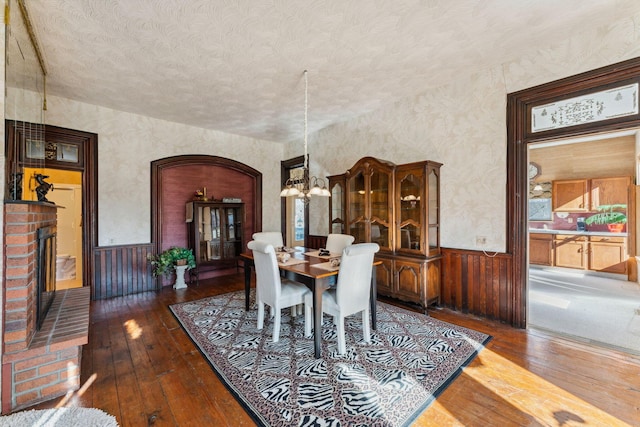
(354, 278)
(267, 272)
(337, 242)
(272, 237)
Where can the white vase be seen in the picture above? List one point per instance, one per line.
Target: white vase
(180, 283)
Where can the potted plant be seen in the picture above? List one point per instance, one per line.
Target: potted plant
(164, 263)
(613, 216)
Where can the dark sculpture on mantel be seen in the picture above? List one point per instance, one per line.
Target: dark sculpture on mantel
(43, 188)
(15, 186)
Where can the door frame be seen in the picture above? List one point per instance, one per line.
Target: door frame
(285, 167)
(87, 165)
(519, 106)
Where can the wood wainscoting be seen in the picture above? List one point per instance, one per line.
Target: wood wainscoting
(122, 270)
(477, 283)
(316, 242)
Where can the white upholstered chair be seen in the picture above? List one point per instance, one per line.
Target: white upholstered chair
(351, 294)
(337, 242)
(271, 289)
(272, 237)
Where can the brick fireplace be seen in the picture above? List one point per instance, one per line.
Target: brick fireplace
(37, 365)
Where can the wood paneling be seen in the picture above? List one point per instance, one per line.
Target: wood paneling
(476, 283)
(122, 270)
(316, 242)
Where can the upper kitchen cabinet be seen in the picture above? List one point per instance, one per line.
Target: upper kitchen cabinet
(570, 195)
(584, 195)
(610, 191)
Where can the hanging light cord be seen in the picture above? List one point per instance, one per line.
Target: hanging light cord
(306, 107)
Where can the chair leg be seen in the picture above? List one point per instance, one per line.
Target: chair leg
(342, 346)
(276, 325)
(260, 315)
(366, 332)
(308, 319)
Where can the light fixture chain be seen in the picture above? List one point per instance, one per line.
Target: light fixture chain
(306, 108)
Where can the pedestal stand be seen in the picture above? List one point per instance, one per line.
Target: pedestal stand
(180, 283)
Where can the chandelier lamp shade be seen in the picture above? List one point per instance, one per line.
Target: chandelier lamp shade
(303, 186)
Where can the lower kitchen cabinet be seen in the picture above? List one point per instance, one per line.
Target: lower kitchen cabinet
(541, 249)
(570, 251)
(608, 254)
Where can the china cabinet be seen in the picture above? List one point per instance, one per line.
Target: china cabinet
(216, 234)
(397, 206)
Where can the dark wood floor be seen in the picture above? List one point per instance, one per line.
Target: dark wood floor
(141, 367)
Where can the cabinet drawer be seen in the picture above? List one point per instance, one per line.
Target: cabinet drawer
(607, 239)
(573, 237)
(541, 236)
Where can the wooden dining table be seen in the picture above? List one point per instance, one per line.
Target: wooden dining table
(317, 279)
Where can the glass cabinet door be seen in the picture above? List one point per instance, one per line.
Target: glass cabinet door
(208, 233)
(233, 226)
(357, 203)
(434, 212)
(380, 209)
(410, 213)
(336, 202)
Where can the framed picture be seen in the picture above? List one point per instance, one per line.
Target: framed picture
(540, 210)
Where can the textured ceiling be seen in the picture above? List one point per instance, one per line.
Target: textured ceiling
(237, 65)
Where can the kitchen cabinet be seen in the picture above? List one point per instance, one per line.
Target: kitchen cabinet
(570, 251)
(570, 195)
(397, 206)
(215, 234)
(337, 203)
(541, 250)
(585, 195)
(608, 254)
(609, 191)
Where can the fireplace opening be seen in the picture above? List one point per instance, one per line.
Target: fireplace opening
(46, 275)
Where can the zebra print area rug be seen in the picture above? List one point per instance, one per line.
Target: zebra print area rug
(388, 382)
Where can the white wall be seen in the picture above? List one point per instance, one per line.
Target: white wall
(463, 126)
(128, 143)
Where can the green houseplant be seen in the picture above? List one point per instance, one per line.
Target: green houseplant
(165, 262)
(610, 215)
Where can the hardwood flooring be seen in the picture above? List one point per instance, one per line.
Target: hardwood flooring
(141, 367)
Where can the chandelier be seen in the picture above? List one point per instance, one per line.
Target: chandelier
(302, 186)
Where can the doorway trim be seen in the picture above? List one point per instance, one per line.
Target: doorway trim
(519, 106)
(285, 167)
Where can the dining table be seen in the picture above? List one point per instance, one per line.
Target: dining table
(314, 270)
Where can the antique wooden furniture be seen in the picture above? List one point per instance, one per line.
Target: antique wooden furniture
(397, 207)
(216, 233)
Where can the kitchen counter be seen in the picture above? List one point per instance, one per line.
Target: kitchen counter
(575, 232)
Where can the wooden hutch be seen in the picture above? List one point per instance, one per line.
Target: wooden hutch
(396, 206)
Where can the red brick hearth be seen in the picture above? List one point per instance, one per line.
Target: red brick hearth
(37, 365)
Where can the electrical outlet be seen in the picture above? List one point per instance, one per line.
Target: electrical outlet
(481, 240)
